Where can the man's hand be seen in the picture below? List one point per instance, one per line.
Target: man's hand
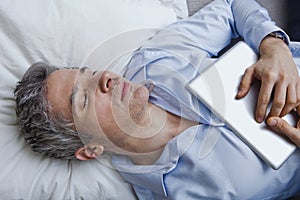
(278, 73)
(281, 126)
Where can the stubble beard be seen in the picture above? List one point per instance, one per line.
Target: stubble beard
(138, 106)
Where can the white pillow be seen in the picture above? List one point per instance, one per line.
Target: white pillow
(61, 33)
(180, 7)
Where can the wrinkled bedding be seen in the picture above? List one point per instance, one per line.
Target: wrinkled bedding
(62, 33)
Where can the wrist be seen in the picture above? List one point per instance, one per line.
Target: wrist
(270, 44)
(279, 35)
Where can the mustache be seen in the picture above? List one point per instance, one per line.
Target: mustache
(115, 83)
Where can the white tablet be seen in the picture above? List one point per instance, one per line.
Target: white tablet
(217, 87)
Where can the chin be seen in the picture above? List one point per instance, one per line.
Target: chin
(138, 105)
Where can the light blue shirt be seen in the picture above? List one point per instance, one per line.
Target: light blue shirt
(207, 160)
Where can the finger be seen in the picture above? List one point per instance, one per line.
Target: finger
(298, 111)
(278, 100)
(291, 101)
(281, 126)
(245, 83)
(263, 99)
(298, 91)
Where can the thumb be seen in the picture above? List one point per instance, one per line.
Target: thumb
(278, 124)
(283, 127)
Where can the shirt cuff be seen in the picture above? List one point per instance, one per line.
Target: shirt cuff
(261, 31)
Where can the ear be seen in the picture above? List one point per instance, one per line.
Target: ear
(88, 153)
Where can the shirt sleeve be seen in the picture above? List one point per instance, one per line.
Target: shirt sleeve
(253, 22)
(212, 27)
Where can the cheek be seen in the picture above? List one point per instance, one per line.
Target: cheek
(109, 115)
(116, 117)
(113, 123)
(104, 116)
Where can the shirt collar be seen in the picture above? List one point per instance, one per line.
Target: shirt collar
(152, 176)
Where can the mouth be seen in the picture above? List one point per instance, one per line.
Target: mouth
(125, 89)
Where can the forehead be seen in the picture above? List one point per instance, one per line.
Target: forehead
(59, 88)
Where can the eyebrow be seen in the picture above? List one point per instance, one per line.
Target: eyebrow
(75, 89)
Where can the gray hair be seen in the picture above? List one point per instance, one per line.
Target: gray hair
(47, 133)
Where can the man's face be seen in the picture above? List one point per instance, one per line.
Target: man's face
(99, 102)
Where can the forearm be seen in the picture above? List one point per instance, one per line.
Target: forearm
(252, 22)
(213, 27)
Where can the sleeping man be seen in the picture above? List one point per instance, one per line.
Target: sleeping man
(162, 140)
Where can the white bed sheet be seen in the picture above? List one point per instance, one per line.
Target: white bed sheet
(63, 33)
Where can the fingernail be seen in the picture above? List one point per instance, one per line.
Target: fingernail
(240, 92)
(260, 119)
(272, 122)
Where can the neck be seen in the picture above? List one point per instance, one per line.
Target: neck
(170, 126)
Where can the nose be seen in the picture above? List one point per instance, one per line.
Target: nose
(106, 81)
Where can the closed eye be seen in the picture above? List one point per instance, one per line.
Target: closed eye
(85, 102)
